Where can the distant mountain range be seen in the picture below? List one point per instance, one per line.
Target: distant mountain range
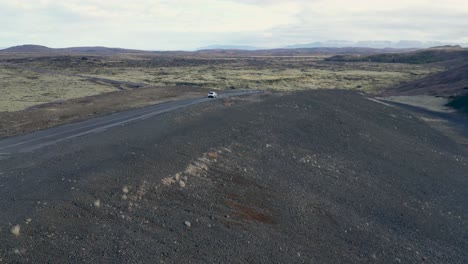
(328, 47)
(300, 51)
(228, 47)
(213, 50)
(403, 44)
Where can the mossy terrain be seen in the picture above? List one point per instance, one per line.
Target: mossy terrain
(64, 77)
(282, 73)
(228, 77)
(22, 88)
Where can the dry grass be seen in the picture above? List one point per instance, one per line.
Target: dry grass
(21, 88)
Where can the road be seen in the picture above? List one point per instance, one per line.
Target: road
(33, 141)
(456, 120)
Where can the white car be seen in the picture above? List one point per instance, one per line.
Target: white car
(212, 95)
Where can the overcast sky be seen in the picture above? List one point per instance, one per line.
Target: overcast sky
(188, 24)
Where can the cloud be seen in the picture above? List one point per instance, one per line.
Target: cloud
(174, 15)
(185, 24)
(377, 20)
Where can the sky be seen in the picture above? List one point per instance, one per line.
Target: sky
(189, 24)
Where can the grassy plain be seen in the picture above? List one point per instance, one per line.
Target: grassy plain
(22, 88)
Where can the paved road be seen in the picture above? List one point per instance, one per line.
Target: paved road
(456, 120)
(54, 135)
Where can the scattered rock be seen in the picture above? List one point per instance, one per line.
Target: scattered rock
(16, 230)
(125, 189)
(198, 168)
(213, 155)
(182, 184)
(168, 181)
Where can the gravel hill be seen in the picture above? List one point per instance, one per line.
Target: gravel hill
(309, 177)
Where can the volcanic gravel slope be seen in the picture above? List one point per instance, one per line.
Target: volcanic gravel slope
(309, 177)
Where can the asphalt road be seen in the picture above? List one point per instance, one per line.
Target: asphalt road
(456, 120)
(54, 135)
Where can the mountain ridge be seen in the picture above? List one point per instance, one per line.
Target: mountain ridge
(371, 44)
(402, 44)
(32, 48)
(29, 48)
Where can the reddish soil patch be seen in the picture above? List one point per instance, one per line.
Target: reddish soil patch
(250, 214)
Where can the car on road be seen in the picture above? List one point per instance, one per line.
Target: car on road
(212, 95)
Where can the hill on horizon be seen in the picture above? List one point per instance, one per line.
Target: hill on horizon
(402, 44)
(31, 48)
(28, 48)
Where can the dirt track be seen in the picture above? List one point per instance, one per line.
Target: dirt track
(310, 177)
